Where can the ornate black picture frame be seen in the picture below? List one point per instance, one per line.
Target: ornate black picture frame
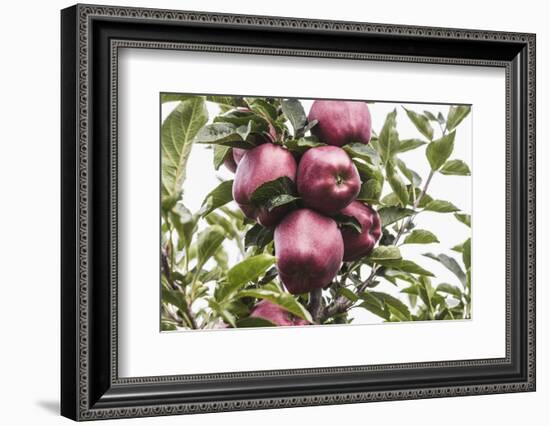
(91, 36)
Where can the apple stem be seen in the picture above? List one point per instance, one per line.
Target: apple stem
(315, 305)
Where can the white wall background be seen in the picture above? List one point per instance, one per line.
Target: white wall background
(29, 225)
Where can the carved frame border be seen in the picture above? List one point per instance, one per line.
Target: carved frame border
(85, 14)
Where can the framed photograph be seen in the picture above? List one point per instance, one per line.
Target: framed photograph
(263, 212)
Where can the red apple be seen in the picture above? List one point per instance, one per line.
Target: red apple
(327, 179)
(259, 165)
(276, 314)
(341, 122)
(357, 245)
(229, 161)
(237, 155)
(309, 250)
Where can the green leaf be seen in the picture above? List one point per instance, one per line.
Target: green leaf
(421, 236)
(439, 151)
(441, 206)
(248, 270)
(220, 152)
(258, 236)
(185, 224)
(426, 293)
(280, 200)
(267, 279)
(466, 253)
(177, 134)
(421, 122)
(168, 326)
(456, 115)
(348, 221)
(451, 264)
(215, 274)
(449, 289)
(374, 305)
(221, 310)
(230, 230)
(301, 145)
(225, 134)
(244, 130)
(458, 248)
(174, 97)
(310, 125)
(249, 322)
(284, 300)
(218, 197)
(388, 140)
(264, 108)
(413, 289)
(229, 101)
(441, 119)
(174, 297)
(208, 242)
(464, 218)
(370, 191)
(384, 253)
(348, 294)
(410, 267)
(368, 171)
(410, 174)
(243, 119)
(455, 167)
(392, 214)
(390, 200)
(263, 195)
(362, 151)
(397, 307)
(294, 111)
(430, 116)
(410, 144)
(397, 184)
(417, 191)
(393, 275)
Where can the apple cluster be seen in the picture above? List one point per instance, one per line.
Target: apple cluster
(309, 245)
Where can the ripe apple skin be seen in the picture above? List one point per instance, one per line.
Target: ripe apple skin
(238, 154)
(276, 314)
(341, 122)
(358, 245)
(327, 179)
(309, 250)
(229, 161)
(259, 165)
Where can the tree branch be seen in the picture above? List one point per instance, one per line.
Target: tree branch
(315, 307)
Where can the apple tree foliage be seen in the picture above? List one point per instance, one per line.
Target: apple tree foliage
(202, 290)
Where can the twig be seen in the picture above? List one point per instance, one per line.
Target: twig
(342, 304)
(315, 305)
(168, 274)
